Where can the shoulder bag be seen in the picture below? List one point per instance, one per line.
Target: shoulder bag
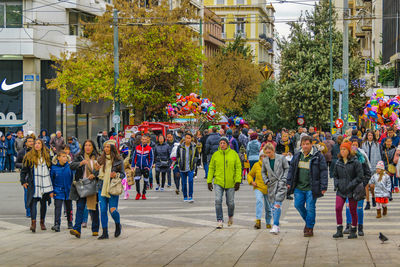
(86, 187)
(116, 187)
(391, 167)
(359, 190)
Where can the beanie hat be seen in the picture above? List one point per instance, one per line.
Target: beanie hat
(110, 142)
(346, 145)
(380, 165)
(224, 139)
(253, 136)
(229, 132)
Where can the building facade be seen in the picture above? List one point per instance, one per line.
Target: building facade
(212, 33)
(251, 19)
(31, 32)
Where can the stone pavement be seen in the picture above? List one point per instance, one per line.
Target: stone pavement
(165, 231)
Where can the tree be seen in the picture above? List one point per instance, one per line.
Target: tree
(304, 77)
(158, 58)
(231, 79)
(266, 109)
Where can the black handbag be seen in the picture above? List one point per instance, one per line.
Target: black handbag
(359, 192)
(164, 163)
(86, 187)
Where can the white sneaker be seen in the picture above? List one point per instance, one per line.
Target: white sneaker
(220, 225)
(275, 230)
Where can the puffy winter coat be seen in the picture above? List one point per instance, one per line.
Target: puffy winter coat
(225, 168)
(233, 143)
(373, 151)
(253, 150)
(61, 177)
(57, 143)
(19, 144)
(45, 138)
(143, 157)
(181, 157)
(318, 173)
(243, 140)
(276, 179)
(161, 153)
(347, 176)
(256, 176)
(74, 146)
(212, 145)
(382, 188)
(10, 145)
(3, 149)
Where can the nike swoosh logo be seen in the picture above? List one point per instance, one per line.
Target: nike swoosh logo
(6, 87)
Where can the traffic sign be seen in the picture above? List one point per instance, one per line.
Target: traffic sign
(300, 121)
(339, 123)
(339, 85)
(116, 119)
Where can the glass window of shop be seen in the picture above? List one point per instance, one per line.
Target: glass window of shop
(10, 14)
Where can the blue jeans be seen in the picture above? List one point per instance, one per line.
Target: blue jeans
(27, 209)
(187, 177)
(94, 214)
(2, 163)
(85, 215)
(360, 212)
(276, 212)
(151, 175)
(230, 201)
(305, 204)
(9, 164)
(205, 165)
(110, 204)
(262, 202)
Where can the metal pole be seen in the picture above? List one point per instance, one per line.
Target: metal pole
(345, 105)
(330, 63)
(116, 70)
(201, 65)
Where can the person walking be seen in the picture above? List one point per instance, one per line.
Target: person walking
(45, 137)
(212, 143)
(275, 170)
(35, 177)
(243, 138)
(380, 183)
(186, 158)
(61, 177)
(285, 147)
(225, 172)
(373, 150)
(10, 153)
(142, 161)
(308, 180)
(111, 167)
(57, 143)
(329, 143)
(335, 154)
(162, 153)
(203, 141)
(3, 153)
(19, 142)
(84, 166)
(253, 149)
(347, 175)
(170, 142)
(387, 155)
(233, 143)
(255, 179)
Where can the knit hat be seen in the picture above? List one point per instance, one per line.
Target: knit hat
(253, 136)
(380, 165)
(110, 142)
(346, 145)
(229, 132)
(224, 139)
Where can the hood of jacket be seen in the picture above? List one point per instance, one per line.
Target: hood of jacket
(44, 130)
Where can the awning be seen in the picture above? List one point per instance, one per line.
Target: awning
(12, 123)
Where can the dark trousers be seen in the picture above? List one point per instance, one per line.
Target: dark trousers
(58, 203)
(169, 177)
(177, 177)
(94, 214)
(9, 163)
(43, 208)
(138, 176)
(163, 174)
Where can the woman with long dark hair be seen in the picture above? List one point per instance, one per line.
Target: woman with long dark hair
(162, 162)
(111, 167)
(84, 166)
(35, 177)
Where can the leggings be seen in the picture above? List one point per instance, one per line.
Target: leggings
(43, 207)
(163, 174)
(339, 208)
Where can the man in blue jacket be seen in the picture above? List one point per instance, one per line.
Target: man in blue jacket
(308, 180)
(10, 152)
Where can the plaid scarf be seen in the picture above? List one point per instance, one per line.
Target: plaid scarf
(43, 183)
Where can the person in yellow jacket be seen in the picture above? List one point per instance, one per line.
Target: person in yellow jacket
(225, 170)
(255, 179)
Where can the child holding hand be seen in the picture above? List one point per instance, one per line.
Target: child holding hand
(380, 183)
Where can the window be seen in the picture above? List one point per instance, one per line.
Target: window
(220, 2)
(265, 28)
(75, 22)
(10, 14)
(240, 27)
(240, 2)
(223, 28)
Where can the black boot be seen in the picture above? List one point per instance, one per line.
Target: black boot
(373, 202)
(353, 233)
(360, 230)
(56, 228)
(347, 230)
(105, 234)
(117, 230)
(339, 232)
(70, 226)
(368, 206)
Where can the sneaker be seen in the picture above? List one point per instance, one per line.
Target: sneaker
(396, 190)
(95, 233)
(185, 199)
(151, 186)
(268, 226)
(230, 221)
(75, 233)
(190, 200)
(195, 177)
(220, 225)
(157, 188)
(275, 230)
(137, 196)
(144, 197)
(162, 189)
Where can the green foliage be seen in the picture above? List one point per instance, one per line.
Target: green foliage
(238, 46)
(304, 78)
(387, 76)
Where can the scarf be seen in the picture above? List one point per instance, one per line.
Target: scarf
(42, 179)
(91, 201)
(286, 144)
(104, 174)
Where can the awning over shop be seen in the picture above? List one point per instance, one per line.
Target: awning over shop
(12, 123)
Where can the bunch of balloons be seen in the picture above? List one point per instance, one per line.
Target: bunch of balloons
(382, 110)
(191, 104)
(236, 121)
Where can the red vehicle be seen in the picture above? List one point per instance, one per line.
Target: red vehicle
(156, 127)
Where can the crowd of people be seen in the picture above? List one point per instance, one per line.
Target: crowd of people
(275, 165)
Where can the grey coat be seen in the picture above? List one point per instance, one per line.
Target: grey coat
(276, 179)
(373, 152)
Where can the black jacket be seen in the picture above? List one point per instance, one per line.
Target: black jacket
(27, 176)
(203, 142)
(347, 176)
(20, 157)
(181, 157)
(280, 148)
(390, 155)
(318, 173)
(212, 144)
(161, 153)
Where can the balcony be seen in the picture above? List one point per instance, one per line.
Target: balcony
(363, 26)
(213, 40)
(265, 41)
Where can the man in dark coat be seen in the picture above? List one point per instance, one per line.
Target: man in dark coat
(308, 180)
(203, 142)
(212, 143)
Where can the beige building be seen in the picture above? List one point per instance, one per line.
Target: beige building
(212, 33)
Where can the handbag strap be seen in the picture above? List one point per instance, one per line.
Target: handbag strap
(387, 158)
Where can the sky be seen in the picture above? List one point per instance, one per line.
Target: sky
(288, 11)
